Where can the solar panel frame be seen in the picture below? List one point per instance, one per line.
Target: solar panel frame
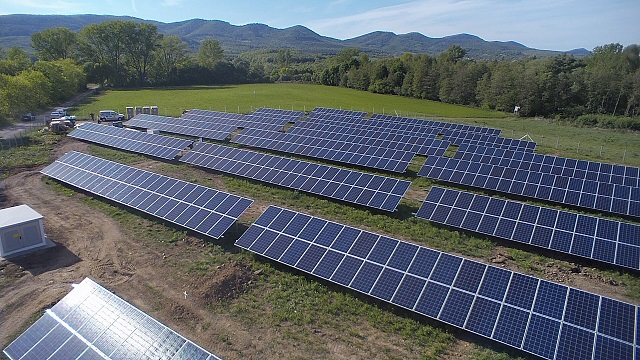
(163, 147)
(506, 306)
(365, 189)
(211, 212)
(339, 151)
(92, 322)
(614, 198)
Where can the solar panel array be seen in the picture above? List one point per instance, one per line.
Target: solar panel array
(423, 145)
(459, 138)
(163, 147)
(352, 186)
(195, 207)
(549, 164)
(369, 125)
(339, 151)
(436, 124)
(610, 241)
(200, 129)
(93, 323)
(614, 198)
(547, 319)
(329, 113)
(265, 122)
(288, 115)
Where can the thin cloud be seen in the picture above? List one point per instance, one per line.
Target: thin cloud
(171, 3)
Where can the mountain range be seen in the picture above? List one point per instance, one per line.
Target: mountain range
(16, 30)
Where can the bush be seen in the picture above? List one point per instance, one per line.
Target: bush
(609, 122)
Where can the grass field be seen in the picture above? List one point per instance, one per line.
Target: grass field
(297, 304)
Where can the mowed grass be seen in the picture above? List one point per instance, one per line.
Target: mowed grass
(246, 98)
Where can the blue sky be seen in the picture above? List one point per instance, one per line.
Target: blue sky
(541, 24)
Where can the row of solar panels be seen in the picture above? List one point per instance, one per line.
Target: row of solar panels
(582, 169)
(614, 198)
(93, 323)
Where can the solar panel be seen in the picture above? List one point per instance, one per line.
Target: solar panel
(549, 164)
(423, 144)
(339, 151)
(266, 122)
(459, 138)
(614, 198)
(290, 115)
(93, 323)
(163, 147)
(375, 191)
(195, 207)
(605, 240)
(200, 129)
(436, 124)
(337, 113)
(547, 319)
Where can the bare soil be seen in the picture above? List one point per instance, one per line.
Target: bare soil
(150, 275)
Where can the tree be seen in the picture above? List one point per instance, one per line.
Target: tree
(169, 55)
(104, 45)
(23, 93)
(210, 52)
(55, 43)
(65, 76)
(139, 46)
(17, 60)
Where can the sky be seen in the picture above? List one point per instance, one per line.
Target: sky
(542, 24)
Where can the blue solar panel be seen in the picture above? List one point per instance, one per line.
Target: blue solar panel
(339, 151)
(550, 320)
(200, 129)
(92, 323)
(567, 167)
(614, 198)
(163, 147)
(360, 188)
(464, 138)
(211, 213)
(423, 143)
(261, 120)
(577, 234)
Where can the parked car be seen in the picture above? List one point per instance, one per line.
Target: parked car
(59, 112)
(28, 117)
(110, 115)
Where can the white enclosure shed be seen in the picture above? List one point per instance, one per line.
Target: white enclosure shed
(21, 229)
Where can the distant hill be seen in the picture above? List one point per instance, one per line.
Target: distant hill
(16, 30)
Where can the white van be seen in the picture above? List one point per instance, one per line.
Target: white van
(110, 115)
(59, 112)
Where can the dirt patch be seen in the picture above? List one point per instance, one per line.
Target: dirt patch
(227, 282)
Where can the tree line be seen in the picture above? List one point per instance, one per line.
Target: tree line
(606, 82)
(132, 54)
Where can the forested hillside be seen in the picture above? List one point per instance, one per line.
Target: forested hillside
(590, 89)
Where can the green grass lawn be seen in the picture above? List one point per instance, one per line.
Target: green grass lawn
(245, 98)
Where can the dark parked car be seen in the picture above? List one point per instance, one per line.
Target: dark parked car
(28, 117)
